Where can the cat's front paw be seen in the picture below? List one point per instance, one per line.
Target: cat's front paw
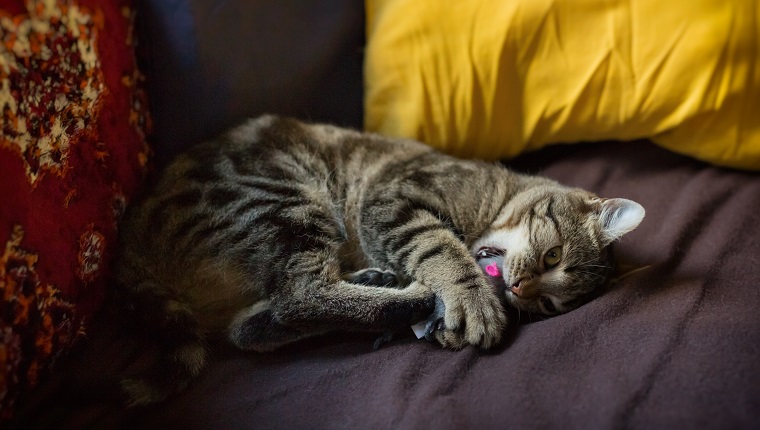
(473, 316)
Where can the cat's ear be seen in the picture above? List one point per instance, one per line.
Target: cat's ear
(617, 217)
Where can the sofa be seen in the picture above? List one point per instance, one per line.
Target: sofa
(673, 343)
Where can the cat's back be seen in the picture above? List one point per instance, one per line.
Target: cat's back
(278, 147)
(205, 201)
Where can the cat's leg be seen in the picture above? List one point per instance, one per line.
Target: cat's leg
(378, 278)
(343, 305)
(257, 329)
(313, 300)
(293, 256)
(422, 244)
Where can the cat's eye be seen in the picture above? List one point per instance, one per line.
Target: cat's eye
(548, 305)
(553, 257)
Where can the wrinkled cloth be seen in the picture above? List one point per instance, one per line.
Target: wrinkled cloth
(492, 78)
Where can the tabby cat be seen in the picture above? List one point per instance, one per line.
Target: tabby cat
(280, 230)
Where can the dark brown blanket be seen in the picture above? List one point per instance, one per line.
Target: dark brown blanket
(675, 344)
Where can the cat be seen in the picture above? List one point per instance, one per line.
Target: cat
(280, 230)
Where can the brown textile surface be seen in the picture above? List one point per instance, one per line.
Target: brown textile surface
(675, 344)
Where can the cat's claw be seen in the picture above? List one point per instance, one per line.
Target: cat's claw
(431, 327)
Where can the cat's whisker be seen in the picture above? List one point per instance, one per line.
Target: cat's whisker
(597, 265)
(590, 263)
(585, 273)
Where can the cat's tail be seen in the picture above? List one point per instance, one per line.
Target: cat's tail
(177, 351)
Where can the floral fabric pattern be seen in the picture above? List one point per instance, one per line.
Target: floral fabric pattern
(49, 58)
(73, 127)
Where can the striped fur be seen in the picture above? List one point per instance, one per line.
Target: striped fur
(254, 237)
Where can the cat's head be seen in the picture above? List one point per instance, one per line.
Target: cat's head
(549, 248)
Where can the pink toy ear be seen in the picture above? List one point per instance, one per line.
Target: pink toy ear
(493, 270)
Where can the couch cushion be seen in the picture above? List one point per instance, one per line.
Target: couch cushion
(492, 78)
(72, 152)
(212, 63)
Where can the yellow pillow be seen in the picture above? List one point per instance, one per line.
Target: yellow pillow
(493, 78)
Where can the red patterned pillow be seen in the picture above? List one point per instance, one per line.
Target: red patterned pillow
(72, 151)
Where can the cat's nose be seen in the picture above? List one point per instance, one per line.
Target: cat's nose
(516, 287)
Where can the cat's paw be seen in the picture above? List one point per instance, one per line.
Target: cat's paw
(473, 316)
(374, 277)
